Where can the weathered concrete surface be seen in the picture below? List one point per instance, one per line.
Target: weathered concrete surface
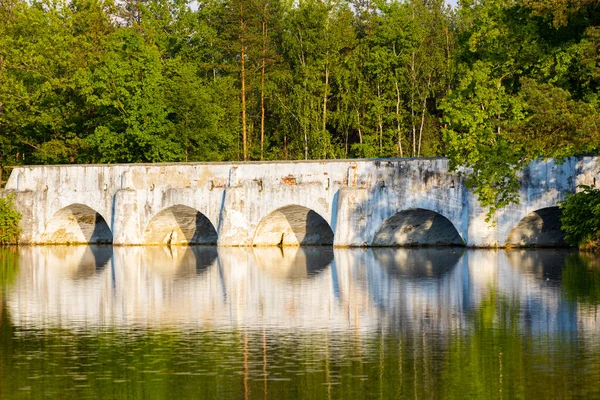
(388, 202)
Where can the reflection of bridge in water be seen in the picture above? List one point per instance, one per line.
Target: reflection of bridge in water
(360, 290)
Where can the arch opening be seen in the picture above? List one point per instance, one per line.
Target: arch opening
(293, 226)
(417, 227)
(77, 224)
(180, 225)
(539, 228)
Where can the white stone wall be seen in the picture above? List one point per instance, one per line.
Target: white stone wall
(355, 197)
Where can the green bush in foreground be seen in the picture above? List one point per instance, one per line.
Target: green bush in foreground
(580, 218)
(9, 221)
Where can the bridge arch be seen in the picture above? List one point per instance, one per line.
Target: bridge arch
(540, 228)
(77, 224)
(180, 225)
(417, 227)
(293, 225)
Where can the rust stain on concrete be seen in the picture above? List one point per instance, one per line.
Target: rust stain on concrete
(289, 180)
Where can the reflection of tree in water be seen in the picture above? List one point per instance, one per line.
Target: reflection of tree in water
(490, 357)
(497, 358)
(9, 266)
(418, 263)
(293, 262)
(544, 264)
(581, 278)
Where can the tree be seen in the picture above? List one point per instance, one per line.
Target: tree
(524, 90)
(476, 114)
(44, 48)
(127, 90)
(560, 11)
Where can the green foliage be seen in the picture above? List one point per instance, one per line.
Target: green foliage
(476, 114)
(128, 87)
(91, 81)
(580, 216)
(9, 221)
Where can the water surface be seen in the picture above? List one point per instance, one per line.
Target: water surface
(310, 323)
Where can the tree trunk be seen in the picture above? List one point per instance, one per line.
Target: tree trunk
(398, 119)
(423, 116)
(412, 104)
(421, 127)
(262, 91)
(305, 144)
(448, 60)
(346, 144)
(306, 122)
(243, 61)
(360, 136)
(380, 121)
(325, 106)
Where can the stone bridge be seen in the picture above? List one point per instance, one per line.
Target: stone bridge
(385, 202)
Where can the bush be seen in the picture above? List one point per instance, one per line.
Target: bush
(580, 217)
(9, 221)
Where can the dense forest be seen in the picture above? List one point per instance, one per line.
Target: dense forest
(490, 83)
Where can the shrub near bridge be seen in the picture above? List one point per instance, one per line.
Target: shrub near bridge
(580, 218)
(9, 221)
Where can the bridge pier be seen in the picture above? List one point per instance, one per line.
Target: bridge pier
(234, 228)
(351, 217)
(125, 217)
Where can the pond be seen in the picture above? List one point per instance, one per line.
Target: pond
(298, 323)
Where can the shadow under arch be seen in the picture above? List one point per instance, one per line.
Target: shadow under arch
(293, 225)
(417, 227)
(180, 225)
(540, 228)
(77, 224)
